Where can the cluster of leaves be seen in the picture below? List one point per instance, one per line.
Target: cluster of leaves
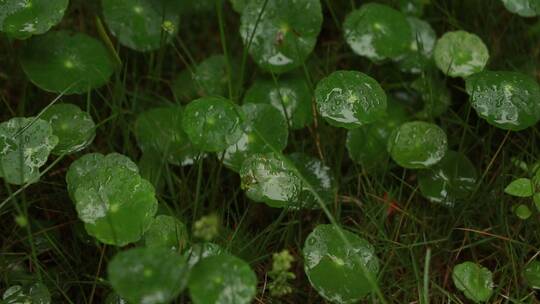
(119, 206)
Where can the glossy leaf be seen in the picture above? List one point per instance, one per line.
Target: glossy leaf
(159, 130)
(148, 275)
(167, 232)
(350, 99)
(268, 179)
(116, 205)
(22, 19)
(475, 281)
(367, 145)
(320, 178)
(378, 32)
(212, 123)
(283, 37)
(532, 274)
(524, 8)
(290, 95)
(335, 270)
(141, 25)
(417, 145)
(264, 129)
(66, 62)
(25, 145)
(87, 165)
(200, 251)
(460, 54)
(222, 279)
(418, 57)
(75, 128)
(36, 293)
(507, 100)
(450, 180)
(211, 76)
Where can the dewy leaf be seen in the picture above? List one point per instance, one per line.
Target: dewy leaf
(22, 19)
(211, 76)
(66, 62)
(450, 180)
(290, 95)
(88, 164)
(460, 54)
(367, 145)
(200, 251)
(524, 8)
(532, 274)
(148, 275)
(417, 145)
(36, 293)
(75, 128)
(521, 187)
(141, 25)
(350, 99)
(334, 269)
(475, 281)
(159, 130)
(283, 35)
(378, 32)
(264, 129)
(423, 38)
(212, 123)
(507, 100)
(25, 145)
(168, 232)
(268, 179)
(320, 178)
(116, 205)
(222, 279)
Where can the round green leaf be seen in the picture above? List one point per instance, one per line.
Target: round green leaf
(338, 271)
(532, 274)
(168, 232)
(25, 145)
(283, 36)
(66, 62)
(212, 123)
(36, 293)
(116, 205)
(521, 187)
(211, 76)
(159, 130)
(264, 129)
(148, 275)
(378, 32)
(350, 99)
(507, 100)
(200, 251)
(320, 179)
(417, 145)
(75, 128)
(475, 281)
(290, 95)
(222, 279)
(367, 145)
(460, 54)
(88, 164)
(450, 180)
(523, 212)
(141, 25)
(22, 19)
(524, 8)
(418, 57)
(268, 179)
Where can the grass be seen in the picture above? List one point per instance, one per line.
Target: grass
(418, 243)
